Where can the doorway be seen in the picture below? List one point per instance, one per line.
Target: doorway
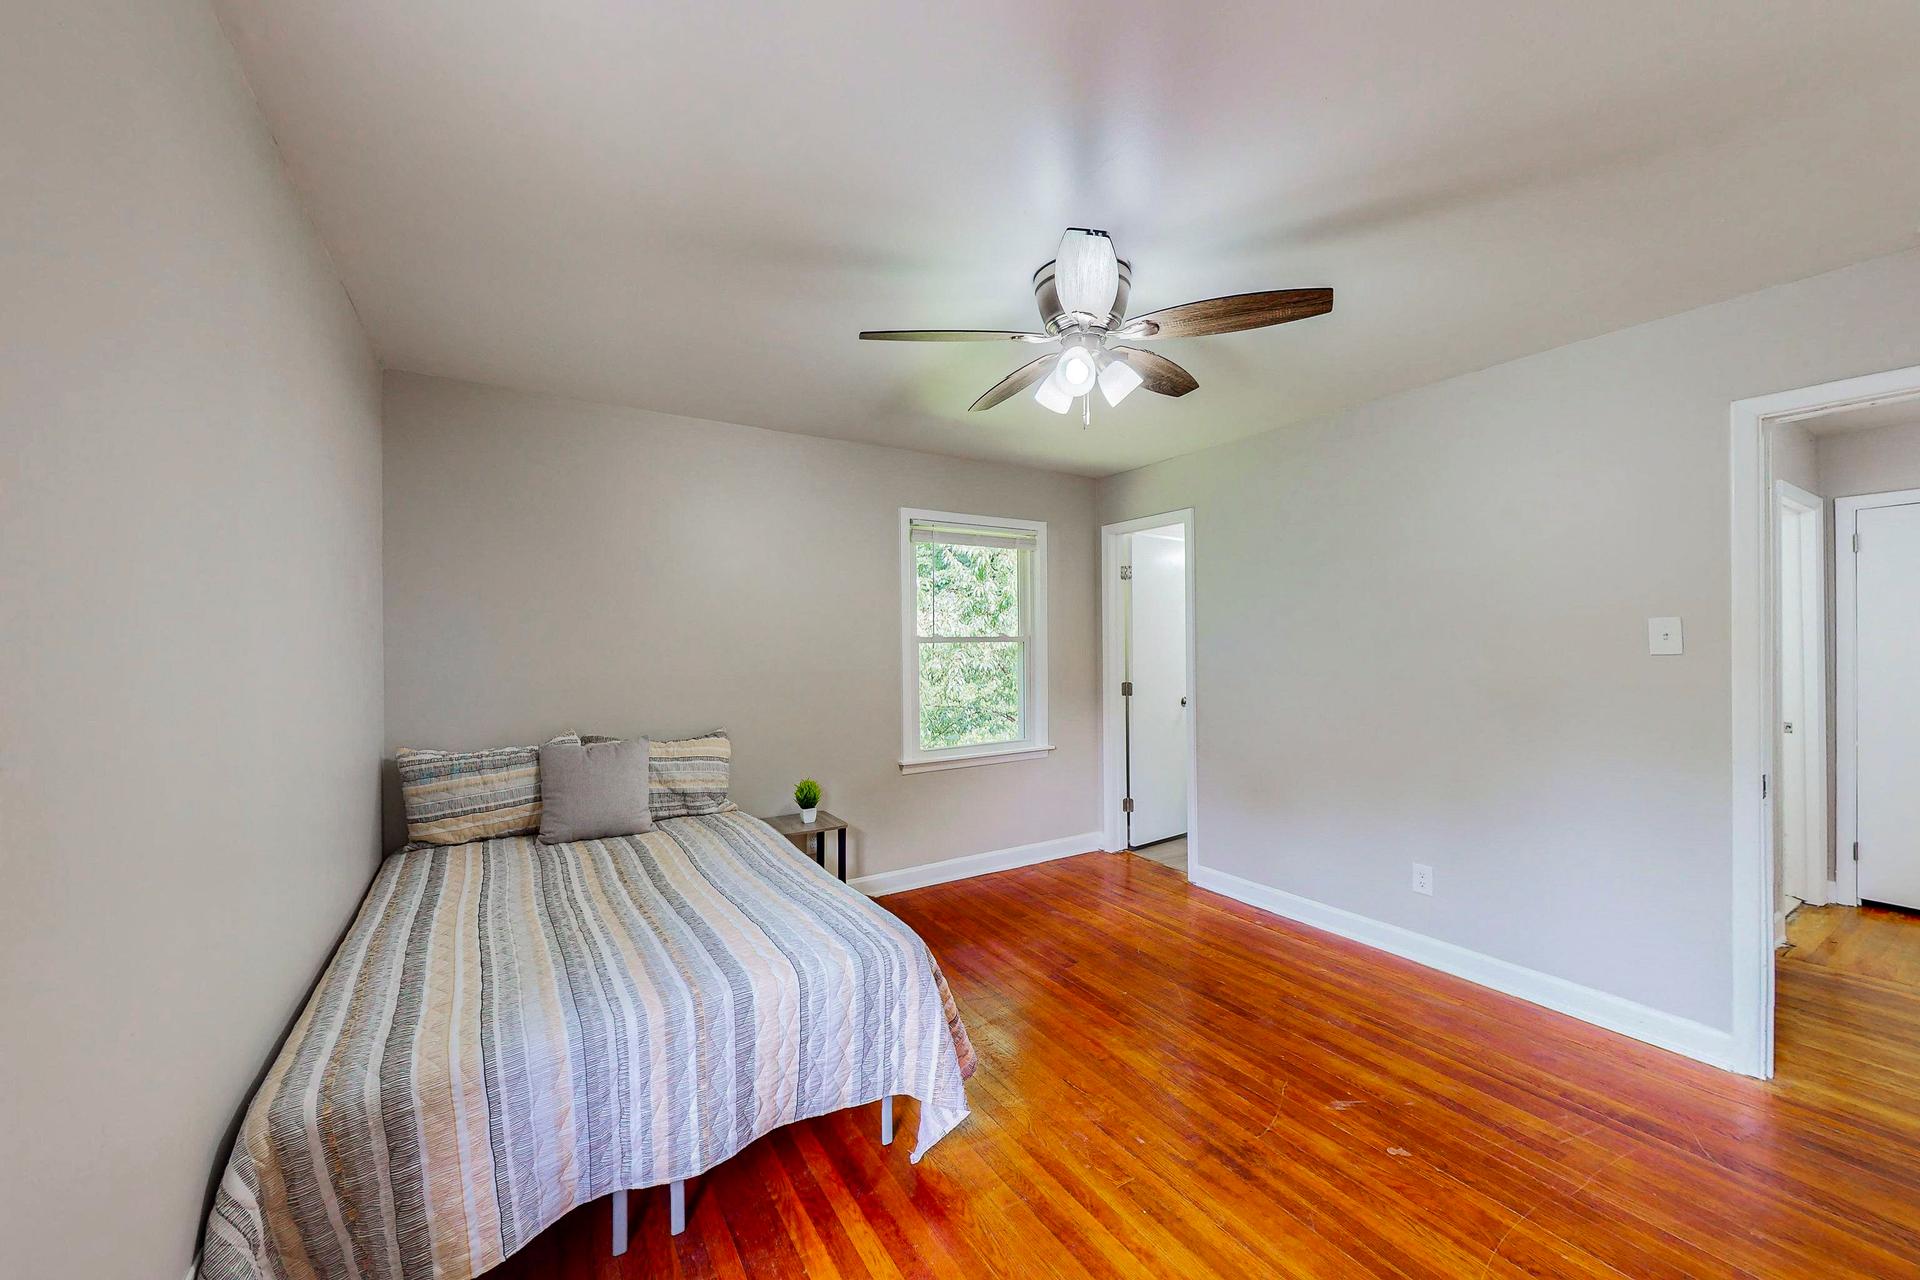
(1833, 440)
(1147, 688)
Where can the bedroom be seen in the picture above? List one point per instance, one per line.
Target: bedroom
(407, 376)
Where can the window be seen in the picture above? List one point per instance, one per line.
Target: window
(973, 627)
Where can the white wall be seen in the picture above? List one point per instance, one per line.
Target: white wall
(554, 564)
(1422, 637)
(190, 676)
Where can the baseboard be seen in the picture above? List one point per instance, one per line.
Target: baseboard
(977, 864)
(1615, 1013)
(1779, 929)
(193, 1268)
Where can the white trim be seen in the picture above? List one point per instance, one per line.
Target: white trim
(1813, 692)
(976, 864)
(1752, 665)
(1846, 704)
(1112, 765)
(1654, 1026)
(193, 1268)
(966, 758)
(1033, 685)
(1779, 929)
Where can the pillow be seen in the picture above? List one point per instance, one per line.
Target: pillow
(589, 791)
(456, 796)
(687, 777)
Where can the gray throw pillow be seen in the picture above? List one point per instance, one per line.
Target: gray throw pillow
(589, 791)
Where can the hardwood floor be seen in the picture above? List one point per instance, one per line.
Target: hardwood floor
(1173, 1084)
(1168, 853)
(1868, 942)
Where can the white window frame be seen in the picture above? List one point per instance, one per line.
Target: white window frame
(1033, 685)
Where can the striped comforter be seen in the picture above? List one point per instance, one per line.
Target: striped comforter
(513, 1029)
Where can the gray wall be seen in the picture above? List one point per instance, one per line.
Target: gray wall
(190, 676)
(1794, 456)
(1879, 460)
(553, 564)
(1422, 637)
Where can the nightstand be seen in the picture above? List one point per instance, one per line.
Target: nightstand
(812, 836)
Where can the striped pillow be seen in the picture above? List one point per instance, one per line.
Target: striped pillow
(687, 777)
(456, 796)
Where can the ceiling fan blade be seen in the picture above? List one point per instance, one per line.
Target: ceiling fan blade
(1230, 314)
(1017, 381)
(1157, 373)
(952, 335)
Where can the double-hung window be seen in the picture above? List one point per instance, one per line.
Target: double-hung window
(973, 639)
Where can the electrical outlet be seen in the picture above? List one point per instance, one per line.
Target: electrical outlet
(1423, 878)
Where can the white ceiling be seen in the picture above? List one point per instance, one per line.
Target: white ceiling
(694, 207)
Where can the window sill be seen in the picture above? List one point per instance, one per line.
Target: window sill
(1002, 753)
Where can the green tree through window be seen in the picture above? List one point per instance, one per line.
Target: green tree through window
(972, 644)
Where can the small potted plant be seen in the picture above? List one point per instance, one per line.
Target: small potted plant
(806, 794)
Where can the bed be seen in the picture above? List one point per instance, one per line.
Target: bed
(511, 1029)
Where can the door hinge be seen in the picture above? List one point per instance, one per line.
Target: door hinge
(1856, 544)
(1126, 688)
(1856, 851)
(1126, 573)
(1763, 786)
(1126, 805)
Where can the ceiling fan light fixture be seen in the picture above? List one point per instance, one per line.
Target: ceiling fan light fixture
(1082, 296)
(1076, 371)
(1086, 275)
(1118, 380)
(1052, 396)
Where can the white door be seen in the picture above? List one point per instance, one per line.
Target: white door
(1791, 842)
(1157, 752)
(1887, 693)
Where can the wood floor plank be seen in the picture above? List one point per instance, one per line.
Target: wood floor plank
(1174, 1083)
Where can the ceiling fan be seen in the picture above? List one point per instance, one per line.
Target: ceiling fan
(1083, 305)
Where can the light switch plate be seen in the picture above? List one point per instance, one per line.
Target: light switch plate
(1663, 635)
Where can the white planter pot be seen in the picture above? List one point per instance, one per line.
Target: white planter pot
(808, 815)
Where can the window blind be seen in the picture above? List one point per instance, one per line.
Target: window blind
(960, 535)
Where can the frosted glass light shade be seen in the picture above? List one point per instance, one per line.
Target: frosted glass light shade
(1086, 275)
(1118, 380)
(1051, 394)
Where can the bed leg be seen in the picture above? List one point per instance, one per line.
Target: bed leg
(886, 1121)
(619, 1222)
(677, 1205)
